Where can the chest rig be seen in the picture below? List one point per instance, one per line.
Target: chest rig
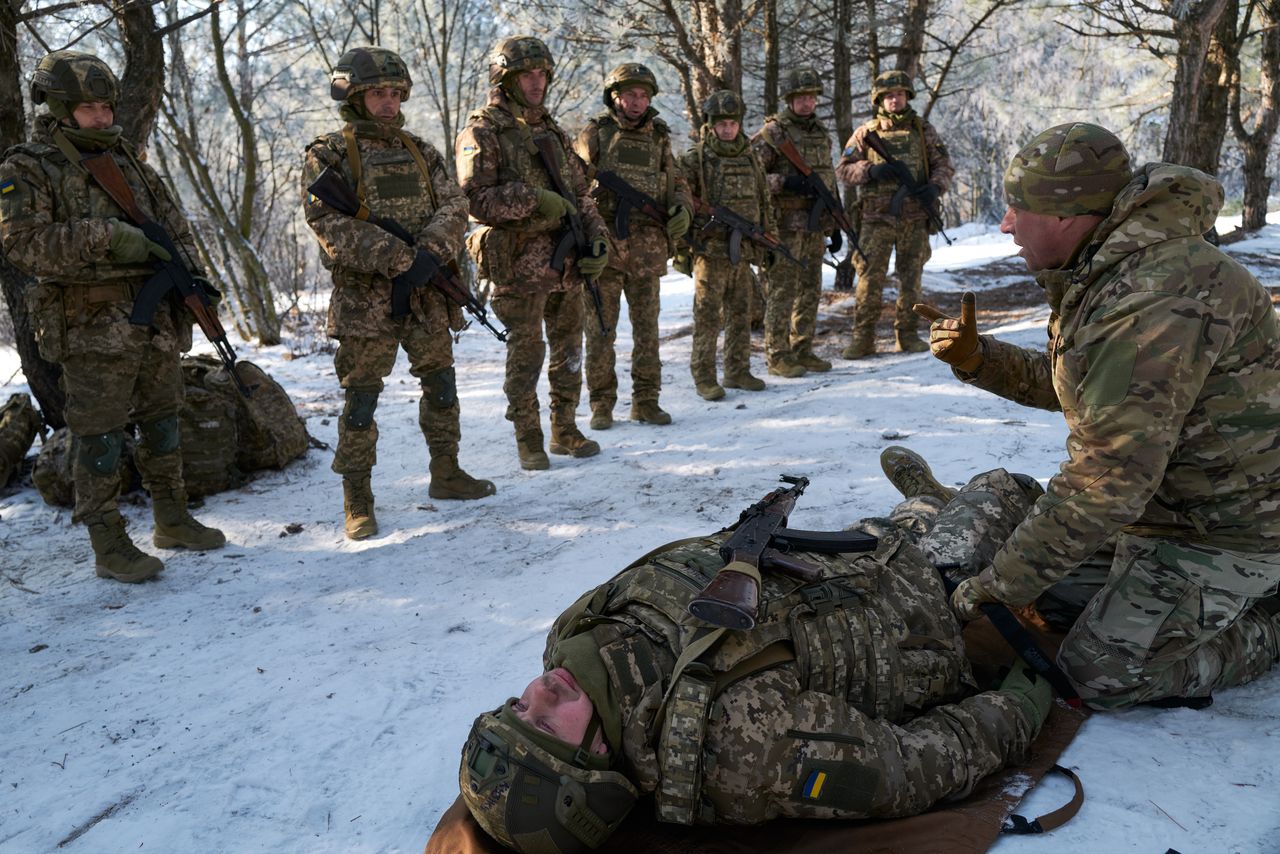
(391, 177)
(520, 161)
(905, 141)
(730, 181)
(814, 145)
(636, 156)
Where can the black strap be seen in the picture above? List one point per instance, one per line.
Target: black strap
(1018, 825)
(823, 542)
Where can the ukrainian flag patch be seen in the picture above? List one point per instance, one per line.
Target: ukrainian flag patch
(848, 152)
(8, 186)
(813, 786)
(468, 150)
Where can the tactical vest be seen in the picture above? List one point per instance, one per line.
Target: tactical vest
(905, 141)
(521, 162)
(730, 181)
(814, 144)
(393, 180)
(636, 156)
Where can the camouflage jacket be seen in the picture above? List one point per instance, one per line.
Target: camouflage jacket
(860, 677)
(363, 257)
(499, 171)
(1164, 357)
(813, 141)
(912, 140)
(642, 156)
(55, 225)
(737, 182)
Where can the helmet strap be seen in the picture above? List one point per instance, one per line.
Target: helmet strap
(583, 755)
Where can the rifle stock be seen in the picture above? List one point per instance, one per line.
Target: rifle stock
(824, 199)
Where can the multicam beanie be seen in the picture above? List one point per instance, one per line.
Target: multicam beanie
(1068, 170)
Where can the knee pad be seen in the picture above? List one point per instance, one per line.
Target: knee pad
(440, 387)
(101, 453)
(358, 413)
(161, 436)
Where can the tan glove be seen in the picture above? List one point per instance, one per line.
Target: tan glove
(968, 596)
(954, 341)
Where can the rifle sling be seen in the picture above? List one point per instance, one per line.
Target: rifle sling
(108, 175)
(1018, 825)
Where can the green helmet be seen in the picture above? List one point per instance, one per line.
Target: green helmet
(723, 104)
(537, 794)
(801, 81)
(516, 54)
(887, 81)
(1068, 170)
(66, 78)
(629, 74)
(364, 68)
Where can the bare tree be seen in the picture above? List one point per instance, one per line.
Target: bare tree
(1265, 112)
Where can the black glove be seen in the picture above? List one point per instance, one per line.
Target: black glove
(882, 172)
(835, 240)
(424, 268)
(797, 184)
(928, 194)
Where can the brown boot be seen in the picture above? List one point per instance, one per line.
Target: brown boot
(601, 416)
(908, 341)
(450, 482)
(861, 346)
(532, 456)
(745, 381)
(115, 555)
(357, 504)
(812, 363)
(177, 528)
(911, 475)
(649, 412)
(785, 365)
(710, 390)
(569, 441)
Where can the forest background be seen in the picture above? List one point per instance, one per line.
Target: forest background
(223, 97)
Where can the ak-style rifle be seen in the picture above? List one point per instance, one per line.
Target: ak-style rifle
(907, 184)
(629, 198)
(739, 227)
(824, 199)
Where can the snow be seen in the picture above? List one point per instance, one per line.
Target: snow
(298, 692)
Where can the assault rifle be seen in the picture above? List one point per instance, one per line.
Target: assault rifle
(575, 236)
(907, 184)
(738, 227)
(760, 541)
(629, 198)
(170, 276)
(825, 199)
(331, 189)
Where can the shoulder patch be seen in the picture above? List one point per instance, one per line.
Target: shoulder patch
(848, 151)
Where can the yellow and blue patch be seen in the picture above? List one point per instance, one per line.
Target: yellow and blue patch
(812, 789)
(8, 186)
(848, 151)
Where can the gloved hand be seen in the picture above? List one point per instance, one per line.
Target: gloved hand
(594, 264)
(422, 270)
(954, 341)
(883, 172)
(1031, 689)
(966, 598)
(771, 260)
(552, 205)
(682, 262)
(130, 246)
(678, 221)
(835, 240)
(797, 184)
(928, 194)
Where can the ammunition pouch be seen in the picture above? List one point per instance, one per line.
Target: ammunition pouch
(358, 412)
(101, 454)
(493, 250)
(684, 728)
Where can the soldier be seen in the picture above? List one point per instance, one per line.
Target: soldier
(59, 225)
(853, 699)
(791, 312)
(721, 169)
(401, 177)
(630, 141)
(894, 210)
(1164, 357)
(523, 217)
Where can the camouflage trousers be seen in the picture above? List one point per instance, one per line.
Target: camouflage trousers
(524, 317)
(643, 302)
(363, 363)
(791, 310)
(878, 241)
(720, 298)
(139, 382)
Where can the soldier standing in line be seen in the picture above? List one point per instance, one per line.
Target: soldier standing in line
(632, 142)
(791, 311)
(522, 216)
(721, 169)
(895, 209)
(401, 177)
(59, 225)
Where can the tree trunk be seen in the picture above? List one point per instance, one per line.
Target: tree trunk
(142, 84)
(1205, 141)
(913, 27)
(1193, 30)
(1257, 144)
(842, 72)
(770, 57)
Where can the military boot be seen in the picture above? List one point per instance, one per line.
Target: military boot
(568, 441)
(532, 456)
(115, 555)
(177, 528)
(785, 365)
(861, 346)
(710, 390)
(745, 381)
(649, 412)
(908, 341)
(910, 474)
(357, 505)
(812, 363)
(450, 482)
(601, 416)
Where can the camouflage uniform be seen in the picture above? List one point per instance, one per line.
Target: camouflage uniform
(501, 172)
(1164, 357)
(640, 153)
(913, 141)
(58, 225)
(791, 312)
(724, 173)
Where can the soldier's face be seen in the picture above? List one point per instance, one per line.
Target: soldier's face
(633, 102)
(726, 130)
(894, 101)
(555, 704)
(804, 105)
(383, 104)
(94, 115)
(533, 85)
(1044, 240)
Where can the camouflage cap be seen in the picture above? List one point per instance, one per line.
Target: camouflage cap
(888, 81)
(723, 104)
(516, 54)
(629, 74)
(1068, 170)
(66, 78)
(801, 81)
(363, 68)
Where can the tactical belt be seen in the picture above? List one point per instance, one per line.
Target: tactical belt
(91, 294)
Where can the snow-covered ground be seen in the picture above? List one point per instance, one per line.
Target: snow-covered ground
(299, 692)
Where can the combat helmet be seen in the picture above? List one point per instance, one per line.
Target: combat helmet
(629, 74)
(364, 68)
(801, 81)
(537, 794)
(516, 54)
(723, 104)
(66, 78)
(887, 81)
